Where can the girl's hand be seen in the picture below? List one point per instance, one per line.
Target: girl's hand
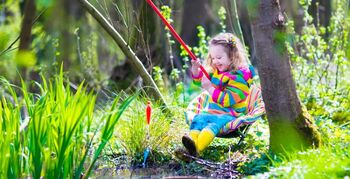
(195, 67)
(206, 84)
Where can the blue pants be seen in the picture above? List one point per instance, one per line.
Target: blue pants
(213, 122)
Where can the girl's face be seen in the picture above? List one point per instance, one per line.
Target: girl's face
(220, 58)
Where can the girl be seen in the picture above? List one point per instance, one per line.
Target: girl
(231, 77)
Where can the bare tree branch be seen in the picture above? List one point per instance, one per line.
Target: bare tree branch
(136, 64)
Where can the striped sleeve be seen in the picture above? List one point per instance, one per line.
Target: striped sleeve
(197, 80)
(235, 91)
(248, 74)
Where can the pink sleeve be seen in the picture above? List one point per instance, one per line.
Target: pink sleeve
(200, 75)
(246, 73)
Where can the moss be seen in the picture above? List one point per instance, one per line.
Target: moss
(294, 135)
(305, 123)
(285, 136)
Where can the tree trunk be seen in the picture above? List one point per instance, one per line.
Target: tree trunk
(27, 24)
(144, 38)
(194, 14)
(321, 13)
(25, 39)
(233, 19)
(291, 128)
(70, 14)
(295, 12)
(246, 29)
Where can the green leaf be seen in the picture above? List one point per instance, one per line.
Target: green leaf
(44, 3)
(25, 59)
(4, 39)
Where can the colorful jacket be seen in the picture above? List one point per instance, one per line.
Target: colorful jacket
(231, 91)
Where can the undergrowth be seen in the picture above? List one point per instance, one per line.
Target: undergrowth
(55, 133)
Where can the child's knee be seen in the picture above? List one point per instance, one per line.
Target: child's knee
(213, 128)
(197, 124)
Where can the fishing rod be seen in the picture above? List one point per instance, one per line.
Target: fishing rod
(177, 37)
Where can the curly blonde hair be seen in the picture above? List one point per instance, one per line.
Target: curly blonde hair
(234, 49)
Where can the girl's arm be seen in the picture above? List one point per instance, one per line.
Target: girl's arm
(196, 73)
(206, 84)
(195, 67)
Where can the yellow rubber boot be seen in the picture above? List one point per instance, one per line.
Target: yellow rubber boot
(205, 137)
(194, 135)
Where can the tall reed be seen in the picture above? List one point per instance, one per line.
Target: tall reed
(57, 141)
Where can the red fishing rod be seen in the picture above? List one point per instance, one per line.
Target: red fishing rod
(178, 38)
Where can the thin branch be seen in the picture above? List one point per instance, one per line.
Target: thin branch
(121, 14)
(238, 24)
(127, 19)
(9, 47)
(136, 64)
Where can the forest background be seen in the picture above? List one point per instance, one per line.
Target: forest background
(65, 80)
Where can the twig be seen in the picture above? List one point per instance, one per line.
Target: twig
(217, 166)
(345, 124)
(238, 24)
(121, 14)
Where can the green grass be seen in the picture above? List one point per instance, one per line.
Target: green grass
(61, 132)
(326, 162)
(332, 160)
(10, 141)
(134, 135)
